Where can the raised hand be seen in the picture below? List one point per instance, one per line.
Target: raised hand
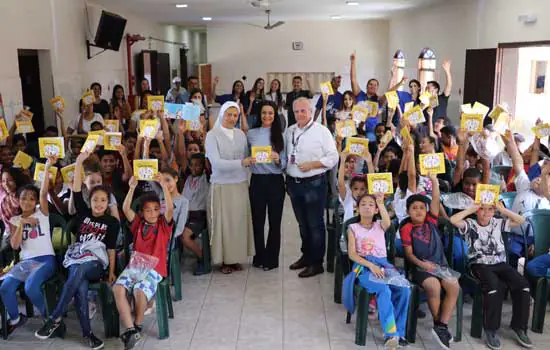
(216, 80)
(446, 65)
(353, 56)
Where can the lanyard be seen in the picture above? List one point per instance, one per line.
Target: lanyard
(297, 139)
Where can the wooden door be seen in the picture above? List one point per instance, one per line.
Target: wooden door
(480, 75)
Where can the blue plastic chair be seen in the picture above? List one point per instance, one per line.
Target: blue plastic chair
(508, 199)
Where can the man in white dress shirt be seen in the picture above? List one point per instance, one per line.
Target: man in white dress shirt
(311, 153)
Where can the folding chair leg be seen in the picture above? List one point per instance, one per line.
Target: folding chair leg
(4, 315)
(477, 315)
(162, 311)
(331, 249)
(106, 309)
(412, 317)
(362, 318)
(539, 308)
(338, 280)
(459, 314)
(205, 241)
(175, 275)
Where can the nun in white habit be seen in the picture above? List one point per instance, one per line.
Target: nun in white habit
(229, 214)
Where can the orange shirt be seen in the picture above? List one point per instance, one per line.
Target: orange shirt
(450, 152)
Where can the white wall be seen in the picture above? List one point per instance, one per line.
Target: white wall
(59, 26)
(452, 27)
(235, 50)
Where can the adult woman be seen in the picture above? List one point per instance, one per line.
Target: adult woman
(133, 123)
(253, 101)
(236, 95)
(120, 100)
(229, 216)
(83, 124)
(276, 96)
(345, 112)
(100, 105)
(267, 186)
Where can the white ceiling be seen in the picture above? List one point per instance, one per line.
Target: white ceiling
(165, 11)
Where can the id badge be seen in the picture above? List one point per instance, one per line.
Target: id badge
(292, 159)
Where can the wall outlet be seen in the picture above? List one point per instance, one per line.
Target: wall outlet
(297, 45)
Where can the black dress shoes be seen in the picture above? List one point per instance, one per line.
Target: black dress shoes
(311, 271)
(300, 264)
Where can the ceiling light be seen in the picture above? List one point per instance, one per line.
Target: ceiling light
(336, 17)
(180, 6)
(352, 3)
(207, 18)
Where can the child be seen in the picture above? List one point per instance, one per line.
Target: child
(367, 248)
(152, 232)
(30, 232)
(448, 142)
(348, 195)
(87, 259)
(181, 203)
(424, 249)
(487, 259)
(196, 190)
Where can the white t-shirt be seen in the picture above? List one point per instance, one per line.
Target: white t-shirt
(36, 240)
(349, 204)
(526, 199)
(400, 204)
(86, 124)
(196, 190)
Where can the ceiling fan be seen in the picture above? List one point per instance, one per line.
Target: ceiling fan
(269, 25)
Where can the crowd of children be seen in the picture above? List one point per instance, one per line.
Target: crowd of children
(171, 208)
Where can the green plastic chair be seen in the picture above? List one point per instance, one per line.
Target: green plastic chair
(503, 170)
(206, 253)
(540, 221)
(332, 231)
(342, 265)
(508, 199)
(446, 228)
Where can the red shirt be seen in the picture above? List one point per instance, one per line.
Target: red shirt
(422, 234)
(510, 184)
(153, 240)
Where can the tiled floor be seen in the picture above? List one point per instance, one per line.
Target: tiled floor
(256, 310)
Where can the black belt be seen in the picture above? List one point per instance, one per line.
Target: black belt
(304, 179)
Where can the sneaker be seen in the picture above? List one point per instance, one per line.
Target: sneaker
(21, 322)
(442, 336)
(391, 343)
(138, 328)
(403, 342)
(150, 310)
(46, 331)
(93, 342)
(522, 338)
(92, 309)
(491, 340)
(130, 338)
(200, 269)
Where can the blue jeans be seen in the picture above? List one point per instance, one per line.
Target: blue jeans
(33, 286)
(308, 201)
(392, 301)
(538, 267)
(77, 286)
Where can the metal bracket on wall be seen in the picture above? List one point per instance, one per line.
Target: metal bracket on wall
(88, 45)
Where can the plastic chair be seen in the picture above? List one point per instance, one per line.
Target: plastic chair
(205, 245)
(332, 233)
(503, 170)
(540, 221)
(361, 294)
(508, 199)
(342, 265)
(448, 233)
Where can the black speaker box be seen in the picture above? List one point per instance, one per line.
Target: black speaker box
(110, 31)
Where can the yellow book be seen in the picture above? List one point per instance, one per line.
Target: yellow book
(408, 106)
(99, 133)
(4, 133)
(88, 98)
(386, 138)
(346, 128)
(405, 134)
(359, 113)
(90, 144)
(392, 98)
(466, 108)
(155, 103)
(26, 113)
(373, 108)
(193, 125)
(68, 173)
(415, 115)
(51, 146)
(432, 163)
(148, 128)
(23, 127)
(326, 88)
(357, 145)
(262, 154)
(112, 140)
(380, 183)
(146, 169)
(480, 108)
(541, 130)
(39, 172)
(502, 123)
(22, 160)
(425, 98)
(471, 122)
(111, 125)
(487, 194)
(58, 103)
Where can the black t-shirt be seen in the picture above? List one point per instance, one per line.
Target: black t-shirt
(441, 110)
(90, 228)
(102, 108)
(256, 105)
(290, 98)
